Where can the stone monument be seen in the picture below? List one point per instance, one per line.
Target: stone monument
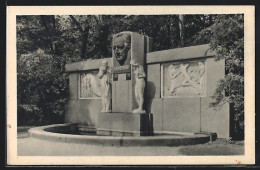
(128, 117)
(178, 85)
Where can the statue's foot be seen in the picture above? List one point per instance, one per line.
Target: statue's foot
(105, 111)
(138, 111)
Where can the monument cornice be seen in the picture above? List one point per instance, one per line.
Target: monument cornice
(192, 52)
(86, 65)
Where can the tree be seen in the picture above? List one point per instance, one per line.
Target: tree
(83, 28)
(44, 45)
(181, 25)
(228, 41)
(40, 64)
(226, 37)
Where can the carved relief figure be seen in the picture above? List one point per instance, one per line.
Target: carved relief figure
(89, 86)
(83, 84)
(188, 79)
(174, 73)
(184, 75)
(105, 83)
(93, 89)
(139, 75)
(121, 46)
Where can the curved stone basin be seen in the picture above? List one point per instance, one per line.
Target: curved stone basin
(66, 133)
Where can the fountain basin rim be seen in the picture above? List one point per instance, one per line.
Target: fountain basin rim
(162, 140)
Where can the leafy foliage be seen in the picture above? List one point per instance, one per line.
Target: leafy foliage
(41, 83)
(226, 37)
(228, 41)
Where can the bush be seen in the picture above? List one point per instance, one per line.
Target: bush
(41, 83)
(226, 37)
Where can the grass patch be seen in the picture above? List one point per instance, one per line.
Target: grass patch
(23, 128)
(22, 131)
(218, 147)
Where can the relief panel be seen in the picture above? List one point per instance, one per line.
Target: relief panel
(89, 85)
(183, 79)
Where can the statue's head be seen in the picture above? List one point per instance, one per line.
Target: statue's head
(137, 68)
(134, 64)
(173, 71)
(103, 68)
(104, 63)
(121, 46)
(201, 65)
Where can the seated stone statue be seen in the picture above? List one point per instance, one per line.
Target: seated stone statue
(139, 86)
(105, 83)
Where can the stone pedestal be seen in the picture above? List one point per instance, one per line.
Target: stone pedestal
(125, 124)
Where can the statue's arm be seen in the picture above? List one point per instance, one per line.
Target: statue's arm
(141, 73)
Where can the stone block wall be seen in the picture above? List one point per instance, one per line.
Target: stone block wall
(189, 111)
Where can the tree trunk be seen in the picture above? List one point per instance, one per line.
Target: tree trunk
(83, 46)
(45, 25)
(84, 39)
(182, 31)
